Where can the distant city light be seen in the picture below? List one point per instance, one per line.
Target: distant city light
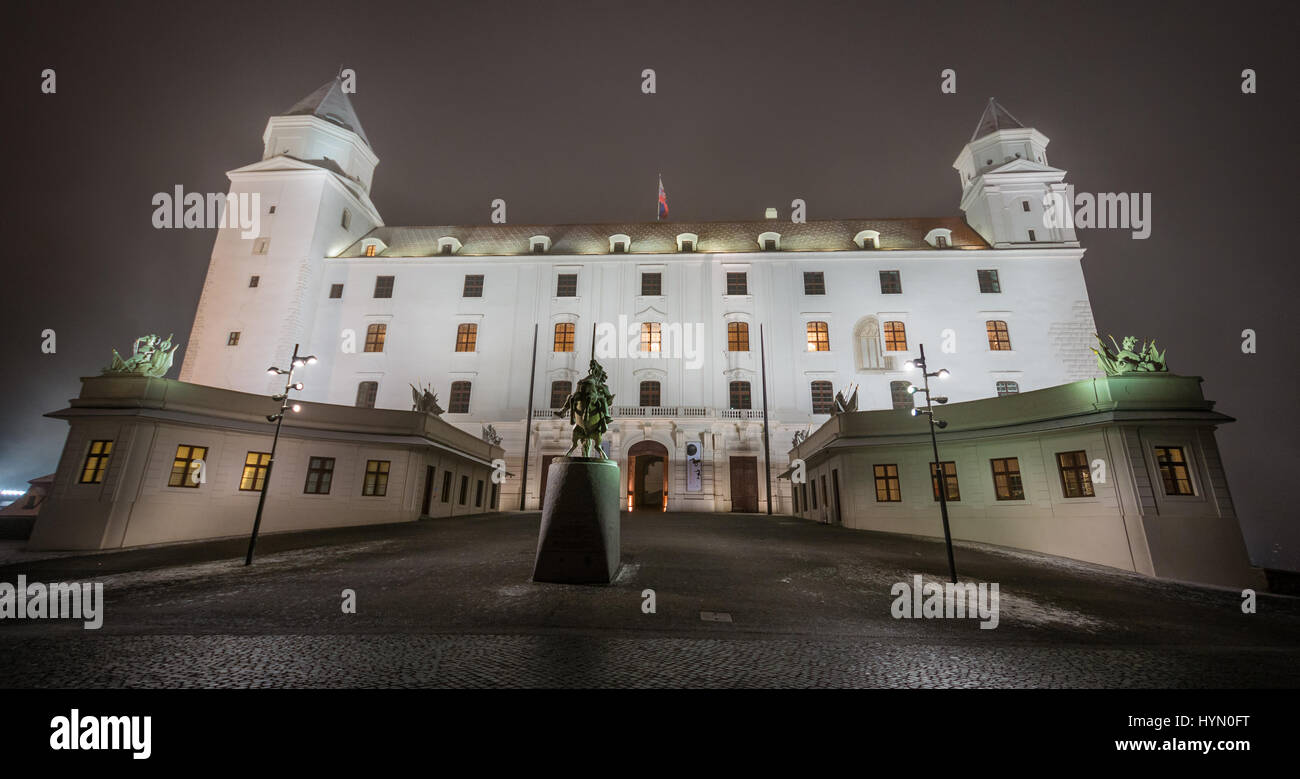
(13, 492)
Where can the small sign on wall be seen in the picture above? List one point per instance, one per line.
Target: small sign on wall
(693, 467)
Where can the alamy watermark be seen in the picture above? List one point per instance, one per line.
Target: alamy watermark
(194, 210)
(932, 600)
(651, 341)
(56, 600)
(1123, 210)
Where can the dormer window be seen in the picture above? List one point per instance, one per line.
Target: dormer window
(370, 250)
(939, 238)
(867, 239)
(539, 244)
(448, 245)
(770, 242)
(686, 242)
(619, 244)
(373, 247)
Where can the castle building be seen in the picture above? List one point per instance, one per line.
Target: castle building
(682, 315)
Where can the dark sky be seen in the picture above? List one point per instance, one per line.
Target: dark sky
(540, 104)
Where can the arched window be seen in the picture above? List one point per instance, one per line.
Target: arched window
(999, 337)
(737, 336)
(459, 397)
(738, 394)
(560, 392)
(823, 397)
(895, 337)
(366, 392)
(866, 345)
(466, 337)
(650, 393)
(819, 337)
(563, 337)
(375, 337)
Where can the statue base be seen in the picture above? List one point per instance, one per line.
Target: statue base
(579, 538)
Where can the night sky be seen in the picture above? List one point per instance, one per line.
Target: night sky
(540, 104)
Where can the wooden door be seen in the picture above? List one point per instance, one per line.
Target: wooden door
(744, 484)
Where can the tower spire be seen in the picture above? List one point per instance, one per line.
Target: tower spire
(994, 118)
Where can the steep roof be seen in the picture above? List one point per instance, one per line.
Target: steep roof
(995, 118)
(331, 103)
(661, 237)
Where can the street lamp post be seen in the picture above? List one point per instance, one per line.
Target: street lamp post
(941, 478)
(278, 419)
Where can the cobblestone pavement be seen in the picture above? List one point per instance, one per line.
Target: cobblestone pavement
(449, 603)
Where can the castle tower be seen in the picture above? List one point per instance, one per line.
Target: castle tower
(1006, 181)
(312, 195)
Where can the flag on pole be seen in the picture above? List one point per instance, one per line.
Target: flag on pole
(663, 201)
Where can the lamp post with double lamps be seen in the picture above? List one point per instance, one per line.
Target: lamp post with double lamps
(941, 478)
(289, 384)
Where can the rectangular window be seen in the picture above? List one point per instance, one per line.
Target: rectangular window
(233, 338)
(1006, 479)
(560, 392)
(1024, 205)
(473, 286)
(823, 398)
(1032, 236)
(891, 282)
(650, 394)
(336, 291)
(651, 337)
(459, 403)
(941, 242)
(1076, 479)
(320, 472)
(370, 250)
(688, 246)
(738, 394)
(253, 281)
(466, 337)
(492, 502)
(1173, 470)
(738, 283)
(446, 486)
(999, 337)
(737, 336)
(384, 286)
(566, 285)
(949, 477)
(256, 465)
(900, 397)
(895, 337)
(652, 284)
(814, 494)
(464, 490)
(376, 483)
(92, 472)
(819, 337)
(989, 281)
(478, 494)
(376, 334)
(887, 485)
(1008, 388)
(367, 391)
(187, 466)
(814, 283)
(563, 337)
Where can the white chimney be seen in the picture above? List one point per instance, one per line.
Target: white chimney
(771, 213)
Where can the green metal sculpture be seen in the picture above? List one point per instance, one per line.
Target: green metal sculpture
(589, 411)
(151, 356)
(1126, 358)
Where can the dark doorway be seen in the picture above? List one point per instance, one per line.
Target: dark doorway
(647, 481)
(428, 491)
(744, 484)
(835, 486)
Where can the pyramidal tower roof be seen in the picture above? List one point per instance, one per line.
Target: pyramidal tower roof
(995, 118)
(330, 103)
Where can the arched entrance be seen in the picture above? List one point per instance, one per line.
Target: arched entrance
(647, 476)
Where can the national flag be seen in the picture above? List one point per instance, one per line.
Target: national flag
(663, 201)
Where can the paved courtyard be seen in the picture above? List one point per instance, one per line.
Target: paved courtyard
(449, 603)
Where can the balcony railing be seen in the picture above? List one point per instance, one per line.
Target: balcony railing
(665, 412)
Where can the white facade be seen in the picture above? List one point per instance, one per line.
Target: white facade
(1041, 298)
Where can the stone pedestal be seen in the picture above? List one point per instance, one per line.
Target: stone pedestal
(578, 542)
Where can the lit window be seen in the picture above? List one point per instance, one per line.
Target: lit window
(989, 281)
(466, 337)
(895, 337)
(738, 283)
(370, 250)
(320, 472)
(737, 336)
(649, 393)
(738, 394)
(560, 391)
(651, 337)
(1006, 479)
(367, 391)
(473, 286)
(652, 284)
(1008, 388)
(384, 286)
(92, 472)
(256, 465)
(375, 336)
(891, 282)
(233, 338)
(949, 477)
(1173, 470)
(823, 397)
(376, 483)
(1076, 479)
(336, 291)
(814, 283)
(563, 337)
(566, 285)
(999, 338)
(819, 337)
(187, 466)
(888, 489)
(459, 403)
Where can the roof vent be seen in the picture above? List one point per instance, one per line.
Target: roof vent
(770, 213)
